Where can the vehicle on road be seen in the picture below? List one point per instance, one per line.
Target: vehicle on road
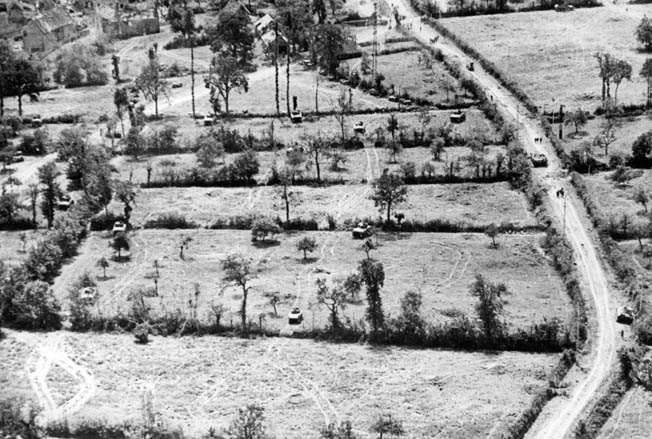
(296, 116)
(65, 202)
(362, 230)
(208, 120)
(359, 128)
(295, 317)
(625, 315)
(539, 160)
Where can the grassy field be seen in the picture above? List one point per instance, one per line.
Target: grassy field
(300, 383)
(626, 132)
(543, 50)
(11, 246)
(441, 266)
(617, 200)
(476, 204)
(631, 418)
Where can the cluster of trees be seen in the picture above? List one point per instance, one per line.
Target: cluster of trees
(80, 65)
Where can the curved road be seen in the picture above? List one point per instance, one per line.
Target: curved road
(568, 410)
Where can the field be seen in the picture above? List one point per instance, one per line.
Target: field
(631, 418)
(626, 132)
(11, 246)
(466, 203)
(616, 200)
(301, 384)
(543, 50)
(441, 266)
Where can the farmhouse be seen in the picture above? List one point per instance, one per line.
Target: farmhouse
(49, 30)
(263, 24)
(268, 39)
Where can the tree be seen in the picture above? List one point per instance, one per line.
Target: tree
(367, 246)
(47, 175)
(329, 44)
(239, 272)
(641, 149)
(306, 244)
(577, 118)
(249, 424)
(80, 65)
(9, 206)
(334, 298)
(317, 147)
(489, 307)
(182, 20)
(342, 109)
(245, 166)
(126, 194)
(35, 307)
(395, 149)
(151, 83)
(232, 36)
(438, 146)
(121, 101)
(343, 430)
(183, 245)
(103, 263)
(410, 322)
(607, 135)
(641, 197)
(25, 79)
(226, 75)
(492, 231)
(392, 125)
(387, 424)
(622, 70)
(120, 242)
(606, 63)
(208, 150)
(262, 228)
(33, 193)
(7, 60)
(389, 191)
(372, 275)
(286, 192)
(644, 33)
(646, 73)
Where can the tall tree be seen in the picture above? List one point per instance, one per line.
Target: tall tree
(607, 134)
(25, 79)
(622, 70)
(126, 194)
(334, 298)
(7, 60)
(226, 75)
(646, 72)
(121, 101)
(151, 83)
(239, 272)
(577, 118)
(372, 274)
(489, 307)
(182, 20)
(47, 175)
(329, 44)
(606, 63)
(389, 191)
(342, 110)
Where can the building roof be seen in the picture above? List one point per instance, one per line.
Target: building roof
(53, 19)
(263, 22)
(268, 37)
(23, 6)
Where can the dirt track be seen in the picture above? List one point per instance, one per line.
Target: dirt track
(560, 423)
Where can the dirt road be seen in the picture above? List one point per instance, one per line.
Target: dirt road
(560, 423)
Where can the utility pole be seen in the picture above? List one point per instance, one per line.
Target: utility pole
(278, 110)
(563, 229)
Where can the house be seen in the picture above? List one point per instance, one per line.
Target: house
(263, 24)
(233, 6)
(48, 31)
(268, 42)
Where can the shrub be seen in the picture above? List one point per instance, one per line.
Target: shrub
(264, 227)
(170, 220)
(141, 333)
(35, 307)
(104, 221)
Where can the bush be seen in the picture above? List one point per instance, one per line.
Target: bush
(141, 333)
(104, 221)
(264, 227)
(35, 307)
(171, 220)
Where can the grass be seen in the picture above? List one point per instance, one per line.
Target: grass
(11, 247)
(542, 50)
(617, 200)
(475, 204)
(301, 384)
(630, 419)
(441, 266)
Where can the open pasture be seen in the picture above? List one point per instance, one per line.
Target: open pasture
(12, 250)
(631, 417)
(301, 384)
(441, 266)
(542, 51)
(475, 204)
